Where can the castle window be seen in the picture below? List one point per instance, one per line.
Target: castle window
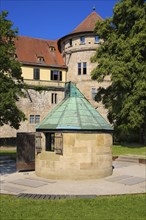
(93, 93)
(82, 40)
(70, 42)
(34, 119)
(36, 73)
(54, 98)
(54, 142)
(49, 141)
(96, 39)
(37, 119)
(56, 75)
(79, 68)
(84, 68)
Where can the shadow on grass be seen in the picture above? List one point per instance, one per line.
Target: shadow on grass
(11, 156)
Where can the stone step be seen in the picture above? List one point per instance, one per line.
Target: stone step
(128, 159)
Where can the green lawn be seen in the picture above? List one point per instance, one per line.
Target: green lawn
(131, 149)
(116, 150)
(10, 153)
(127, 207)
(2, 152)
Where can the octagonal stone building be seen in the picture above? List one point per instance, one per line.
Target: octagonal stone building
(76, 140)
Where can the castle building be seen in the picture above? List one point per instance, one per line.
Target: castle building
(48, 64)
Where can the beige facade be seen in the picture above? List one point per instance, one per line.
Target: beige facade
(85, 156)
(45, 75)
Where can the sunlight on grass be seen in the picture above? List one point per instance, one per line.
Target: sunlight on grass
(125, 150)
(116, 150)
(7, 151)
(103, 207)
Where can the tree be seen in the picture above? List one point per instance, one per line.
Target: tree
(11, 81)
(122, 56)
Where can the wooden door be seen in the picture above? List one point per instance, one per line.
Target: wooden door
(25, 151)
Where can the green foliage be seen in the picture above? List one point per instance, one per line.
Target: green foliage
(122, 56)
(11, 82)
(131, 207)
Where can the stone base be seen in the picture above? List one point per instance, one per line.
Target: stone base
(85, 156)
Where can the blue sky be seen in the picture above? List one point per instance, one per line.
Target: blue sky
(51, 20)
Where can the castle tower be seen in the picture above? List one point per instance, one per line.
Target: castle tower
(77, 48)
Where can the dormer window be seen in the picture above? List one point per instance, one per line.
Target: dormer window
(41, 59)
(96, 39)
(52, 48)
(82, 40)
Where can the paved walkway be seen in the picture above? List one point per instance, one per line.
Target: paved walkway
(127, 178)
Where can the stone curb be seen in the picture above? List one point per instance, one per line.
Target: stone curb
(129, 159)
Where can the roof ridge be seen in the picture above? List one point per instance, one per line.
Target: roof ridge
(72, 91)
(97, 121)
(89, 17)
(80, 123)
(36, 38)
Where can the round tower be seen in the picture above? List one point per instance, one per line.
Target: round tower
(77, 48)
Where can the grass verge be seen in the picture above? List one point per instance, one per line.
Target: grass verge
(131, 149)
(131, 207)
(9, 153)
(116, 150)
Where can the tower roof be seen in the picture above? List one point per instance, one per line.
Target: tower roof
(88, 24)
(74, 113)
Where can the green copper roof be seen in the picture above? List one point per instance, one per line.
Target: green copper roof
(74, 113)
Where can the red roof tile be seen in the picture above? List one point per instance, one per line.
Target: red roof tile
(29, 49)
(88, 24)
